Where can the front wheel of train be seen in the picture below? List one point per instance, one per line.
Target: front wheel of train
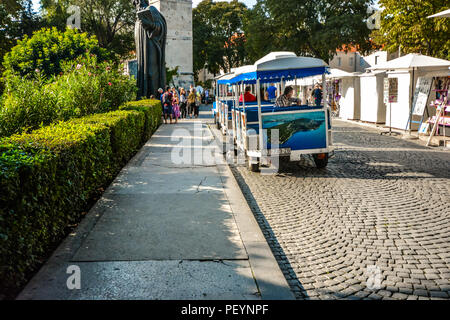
(321, 160)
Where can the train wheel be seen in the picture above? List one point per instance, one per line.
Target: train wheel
(321, 160)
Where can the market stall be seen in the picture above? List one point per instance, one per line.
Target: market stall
(346, 94)
(372, 104)
(408, 73)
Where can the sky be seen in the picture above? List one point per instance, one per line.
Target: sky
(249, 3)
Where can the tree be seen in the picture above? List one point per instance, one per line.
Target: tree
(308, 27)
(405, 24)
(218, 36)
(17, 19)
(111, 21)
(47, 50)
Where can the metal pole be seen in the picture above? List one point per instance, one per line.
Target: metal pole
(411, 102)
(261, 137)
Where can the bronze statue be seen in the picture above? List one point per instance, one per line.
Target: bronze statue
(150, 36)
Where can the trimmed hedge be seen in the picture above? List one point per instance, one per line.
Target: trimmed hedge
(152, 110)
(48, 177)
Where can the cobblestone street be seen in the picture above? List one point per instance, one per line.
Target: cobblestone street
(381, 201)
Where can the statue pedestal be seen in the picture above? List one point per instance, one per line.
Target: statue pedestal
(179, 51)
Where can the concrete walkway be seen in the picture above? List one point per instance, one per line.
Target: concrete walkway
(173, 225)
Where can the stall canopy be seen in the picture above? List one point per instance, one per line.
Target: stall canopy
(442, 14)
(412, 60)
(280, 65)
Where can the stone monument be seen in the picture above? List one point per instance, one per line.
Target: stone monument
(150, 37)
(179, 50)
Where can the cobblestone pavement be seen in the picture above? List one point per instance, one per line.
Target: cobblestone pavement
(381, 202)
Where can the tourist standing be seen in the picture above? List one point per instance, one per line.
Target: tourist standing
(183, 103)
(198, 101)
(167, 105)
(191, 102)
(176, 107)
(317, 95)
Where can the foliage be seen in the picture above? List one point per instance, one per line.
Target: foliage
(16, 19)
(48, 177)
(170, 75)
(218, 37)
(111, 21)
(83, 87)
(47, 50)
(405, 24)
(307, 27)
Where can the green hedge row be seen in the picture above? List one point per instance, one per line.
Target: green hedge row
(48, 177)
(152, 115)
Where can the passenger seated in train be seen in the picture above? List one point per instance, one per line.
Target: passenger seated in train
(286, 99)
(248, 96)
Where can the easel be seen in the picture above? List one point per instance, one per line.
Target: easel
(390, 132)
(438, 118)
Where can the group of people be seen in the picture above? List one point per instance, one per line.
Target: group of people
(178, 104)
(286, 99)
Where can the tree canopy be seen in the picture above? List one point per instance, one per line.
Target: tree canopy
(308, 27)
(405, 24)
(111, 21)
(218, 37)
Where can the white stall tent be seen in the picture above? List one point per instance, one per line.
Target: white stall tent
(407, 70)
(349, 90)
(372, 105)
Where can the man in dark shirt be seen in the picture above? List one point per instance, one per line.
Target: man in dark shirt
(317, 95)
(167, 104)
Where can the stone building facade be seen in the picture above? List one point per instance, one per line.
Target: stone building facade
(179, 50)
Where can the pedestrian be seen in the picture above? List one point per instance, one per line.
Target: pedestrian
(183, 103)
(161, 92)
(191, 102)
(207, 96)
(175, 107)
(272, 92)
(198, 101)
(317, 95)
(167, 105)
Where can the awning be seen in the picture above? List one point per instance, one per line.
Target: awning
(280, 65)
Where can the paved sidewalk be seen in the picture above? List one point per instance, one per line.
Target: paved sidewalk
(171, 226)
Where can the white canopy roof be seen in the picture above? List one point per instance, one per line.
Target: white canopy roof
(276, 55)
(442, 14)
(338, 73)
(286, 61)
(412, 60)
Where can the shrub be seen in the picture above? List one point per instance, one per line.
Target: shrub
(83, 87)
(152, 110)
(47, 178)
(47, 49)
(123, 128)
